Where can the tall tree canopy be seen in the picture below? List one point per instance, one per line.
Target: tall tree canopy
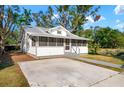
(10, 20)
(71, 17)
(106, 37)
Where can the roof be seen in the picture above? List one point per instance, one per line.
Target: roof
(45, 32)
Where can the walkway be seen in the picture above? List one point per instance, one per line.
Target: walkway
(96, 61)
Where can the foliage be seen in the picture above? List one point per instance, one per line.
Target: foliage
(25, 17)
(106, 37)
(70, 17)
(13, 38)
(8, 20)
(11, 20)
(44, 19)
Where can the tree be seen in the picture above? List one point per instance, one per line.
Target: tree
(13, 38)
(70, 17)
(25, 18)
(106, 37)
(8, 22)
(11, 20)
(44, 19)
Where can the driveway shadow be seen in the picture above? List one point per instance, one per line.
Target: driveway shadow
(5, 61)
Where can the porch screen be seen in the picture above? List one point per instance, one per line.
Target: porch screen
(52, 41)
(60, 42)
(79, 43)
(43, 41)
(33, 38)
(84, 43)
(74, 42)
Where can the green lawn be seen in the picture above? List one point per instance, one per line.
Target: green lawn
(12, 77)
(107, 59)
(104, 58)
(10, 73)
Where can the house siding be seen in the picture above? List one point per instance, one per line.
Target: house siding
(48, 51)
(80, 49)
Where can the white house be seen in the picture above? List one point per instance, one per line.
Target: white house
(40, 41)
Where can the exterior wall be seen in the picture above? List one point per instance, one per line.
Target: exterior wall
(50, 50)
(26, 45)
(83, 49)
(79, 49)
(30, 49)
(63, 33)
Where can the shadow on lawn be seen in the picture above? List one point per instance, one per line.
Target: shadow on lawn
(120, 56)
(5, 61)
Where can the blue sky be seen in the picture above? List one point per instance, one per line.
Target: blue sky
(111, 15)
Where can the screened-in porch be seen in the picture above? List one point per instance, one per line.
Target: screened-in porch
(57, 46)
(50, 41)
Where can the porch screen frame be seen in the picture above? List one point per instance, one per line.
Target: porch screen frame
(60, 42)
(43, 41)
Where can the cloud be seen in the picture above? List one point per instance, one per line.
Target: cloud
(55, 16)
(102, 18)
(90, 19)
(118, 21)
(120, 25)
(119, 9)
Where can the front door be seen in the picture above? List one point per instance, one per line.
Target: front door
(67, 45)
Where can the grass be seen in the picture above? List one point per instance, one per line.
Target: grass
(10, 73)
(12, 77)
(111, 68)
(104, 58)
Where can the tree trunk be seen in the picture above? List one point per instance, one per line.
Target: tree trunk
(2, 46)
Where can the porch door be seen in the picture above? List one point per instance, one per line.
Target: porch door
(67, 45)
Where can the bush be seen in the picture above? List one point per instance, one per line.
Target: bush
(12, 48)
(110, 52)
(91, 52)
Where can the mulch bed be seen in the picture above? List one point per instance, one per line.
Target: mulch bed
(20, 57)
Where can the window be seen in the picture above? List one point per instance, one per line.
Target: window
(43, 41)
(58, 32)
(74, 42)
(33, 38)
(84, 43)
(52, 41)
(67, 41)
(59, 42)
(79, 43)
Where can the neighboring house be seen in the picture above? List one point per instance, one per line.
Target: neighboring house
(40, 41)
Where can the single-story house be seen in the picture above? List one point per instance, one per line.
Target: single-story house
(40, 41)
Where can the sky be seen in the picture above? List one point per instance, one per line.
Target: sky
(111, 16)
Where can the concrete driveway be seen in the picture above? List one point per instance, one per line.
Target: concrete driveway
(60, 72)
